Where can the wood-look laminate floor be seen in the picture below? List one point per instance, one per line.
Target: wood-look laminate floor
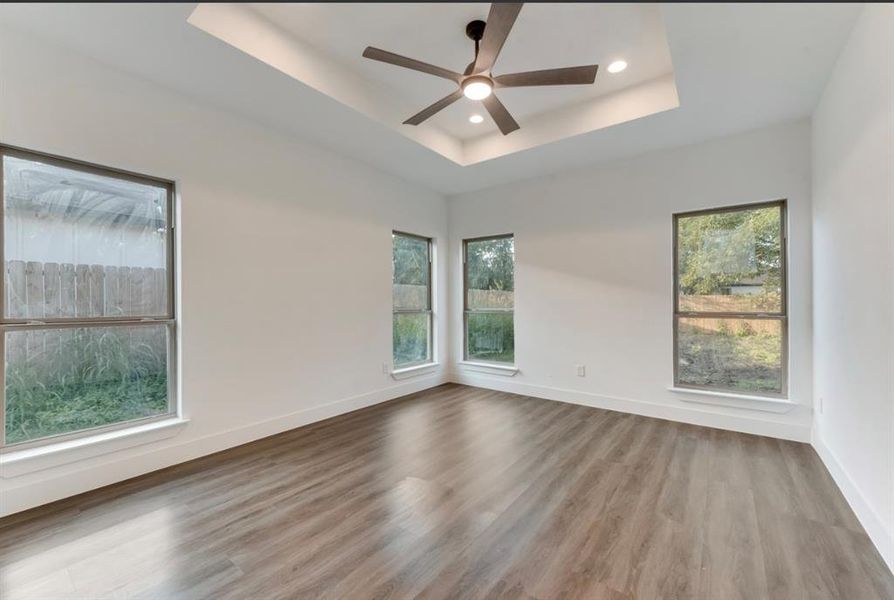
(459, 492)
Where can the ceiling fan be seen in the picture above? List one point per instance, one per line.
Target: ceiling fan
(477, 82)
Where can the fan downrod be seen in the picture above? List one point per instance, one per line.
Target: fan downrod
(475, 31)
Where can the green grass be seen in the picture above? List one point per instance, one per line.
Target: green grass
(748, 363)
(410, 338)
(36, 411)
(506, 356)
(491, 337)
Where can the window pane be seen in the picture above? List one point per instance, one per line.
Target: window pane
(490, 276)
(78, 244)
(730, 261)
(735, 354)
(412, 337)
(67, 379)
(490, 337)
(410, 263)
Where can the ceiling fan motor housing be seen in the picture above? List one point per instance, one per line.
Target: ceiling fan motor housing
(475, 30)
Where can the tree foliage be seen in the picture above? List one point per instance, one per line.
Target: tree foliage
(490, 264)
(85, 378)
(409, 260)
(718, 250)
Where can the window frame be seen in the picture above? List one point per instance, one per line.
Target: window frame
(781, 315)
(429, 310)
(469, 311)
(168, 320)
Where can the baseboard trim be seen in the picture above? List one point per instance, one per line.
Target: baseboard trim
(682, 414)
(117, 469)
(869, 519)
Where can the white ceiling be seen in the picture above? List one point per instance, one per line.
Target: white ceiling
(388, 95)
(736, 67)
(544, 36)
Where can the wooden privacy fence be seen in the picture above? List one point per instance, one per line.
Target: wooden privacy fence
(491, 298)
(409, 296)
(36, 290)
(732, 303)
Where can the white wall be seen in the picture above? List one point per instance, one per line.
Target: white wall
(594, 273)
(285, 257)
(853, 246)
(277, 333)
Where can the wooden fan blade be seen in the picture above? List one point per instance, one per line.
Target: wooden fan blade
(566, 76)
(499, 23)
(434, 108)
(409, 63)
(500, 115)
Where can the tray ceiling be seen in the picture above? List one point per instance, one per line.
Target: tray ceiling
(320, 45)
(736, 67)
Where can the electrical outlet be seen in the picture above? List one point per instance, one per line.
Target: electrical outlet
(385, 368)
(821, 404)
(581, 370)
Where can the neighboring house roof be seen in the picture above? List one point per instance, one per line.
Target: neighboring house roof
(41, 189)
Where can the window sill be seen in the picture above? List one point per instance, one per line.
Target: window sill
(21, 462)
(490, 368)
(415, 371)
(761, 403)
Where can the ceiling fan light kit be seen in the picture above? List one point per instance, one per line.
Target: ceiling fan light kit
(477, 82)
(477, 87)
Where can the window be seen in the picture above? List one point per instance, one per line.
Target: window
(411, 300)
(87, 295)
(730, 330)
(489, 297)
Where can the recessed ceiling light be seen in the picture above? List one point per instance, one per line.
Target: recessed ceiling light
(477, 87)
(476, 119)
(617, 66)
